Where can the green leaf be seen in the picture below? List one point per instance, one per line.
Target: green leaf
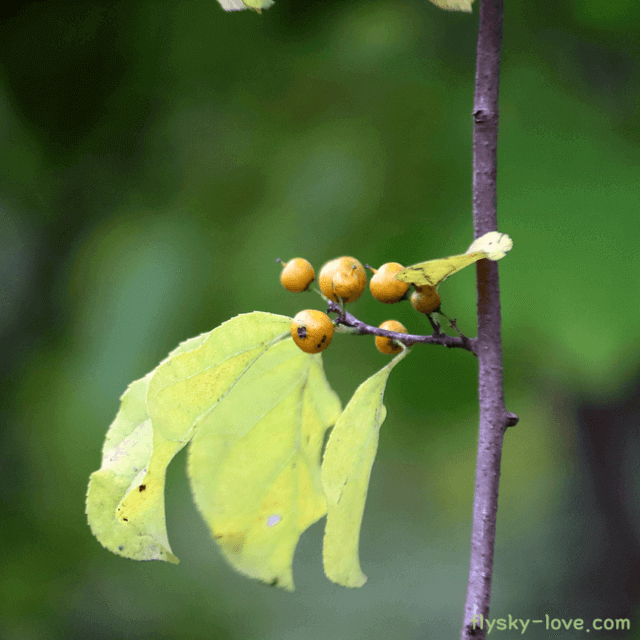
(346, 470)
(238, 5)
(454, 5)
(492, 246)
(126, 456)
(257, 408)
(254, 463)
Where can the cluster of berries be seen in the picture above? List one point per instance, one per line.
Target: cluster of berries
(344, 280)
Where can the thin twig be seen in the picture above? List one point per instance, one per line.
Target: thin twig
(350, 321)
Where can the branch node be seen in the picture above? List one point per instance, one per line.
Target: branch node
(480, 116)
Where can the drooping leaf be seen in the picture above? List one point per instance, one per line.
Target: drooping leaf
(346, 470)
(263, 407)
(492, 246)
(238, 5)
(454, 5)
(124, 478)
(254, 463)
(126, 456)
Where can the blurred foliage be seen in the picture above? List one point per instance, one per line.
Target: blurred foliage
(158, 156)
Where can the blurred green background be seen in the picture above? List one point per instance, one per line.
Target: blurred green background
(156, 157)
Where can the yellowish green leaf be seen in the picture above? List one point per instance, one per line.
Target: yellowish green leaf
(254, 463)
(346, 469)
(238, 5)
(263, 407)
(492, 246)
(126, 456)
(454, 5)
(496, 245)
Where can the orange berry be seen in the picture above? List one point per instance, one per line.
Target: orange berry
(297, 275)
(384, 286)
(388, 345)
(312, 330)
(342, 279)
(425, 299)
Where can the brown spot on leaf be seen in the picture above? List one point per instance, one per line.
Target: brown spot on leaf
(232, 542)
(142, 487)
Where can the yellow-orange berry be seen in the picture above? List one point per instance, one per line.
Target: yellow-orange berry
(312, 330)
(325, 278)
(297, 275)
(342, 279)
(384, 286)
(425, 299)
(388, 345)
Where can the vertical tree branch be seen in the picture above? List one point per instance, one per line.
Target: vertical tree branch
(493, 415)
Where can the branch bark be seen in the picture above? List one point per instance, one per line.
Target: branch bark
(493, 415)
